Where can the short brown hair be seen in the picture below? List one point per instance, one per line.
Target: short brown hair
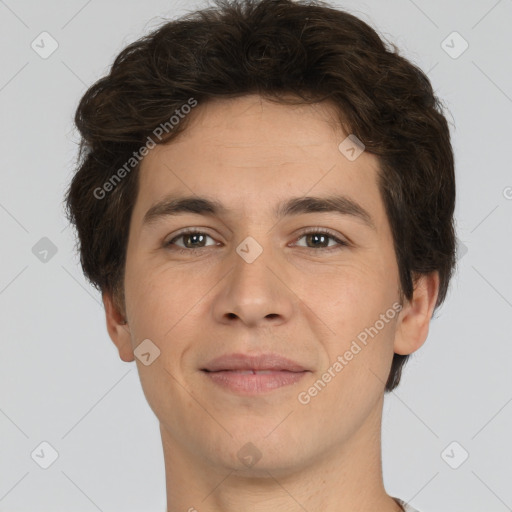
(273, 48)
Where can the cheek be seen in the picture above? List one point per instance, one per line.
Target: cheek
(166, 306)
(151, 302)
(356, 304)
(157, 313)
(347, 294)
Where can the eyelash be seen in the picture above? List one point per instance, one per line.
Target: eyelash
(311, 231)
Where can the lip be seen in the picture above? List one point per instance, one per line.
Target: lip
(239, 361)
(240, 373)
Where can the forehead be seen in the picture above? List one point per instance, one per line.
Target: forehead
(251, 151)
(239, 125)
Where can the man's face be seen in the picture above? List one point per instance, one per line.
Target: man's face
(305, 296)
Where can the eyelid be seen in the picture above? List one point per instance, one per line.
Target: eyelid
(188, 231)
(333, 234)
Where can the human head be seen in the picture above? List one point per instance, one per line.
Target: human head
(288, 52)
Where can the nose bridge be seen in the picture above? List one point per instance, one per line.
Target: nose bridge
(252, 292)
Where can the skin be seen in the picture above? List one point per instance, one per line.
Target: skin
(297, 299)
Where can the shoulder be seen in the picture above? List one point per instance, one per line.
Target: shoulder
(406, 506)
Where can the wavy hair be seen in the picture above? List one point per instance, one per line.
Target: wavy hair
(274, 48)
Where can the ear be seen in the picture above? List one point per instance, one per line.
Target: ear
(118, 329)
(414, 319)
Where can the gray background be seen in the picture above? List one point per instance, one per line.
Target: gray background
(61, 380)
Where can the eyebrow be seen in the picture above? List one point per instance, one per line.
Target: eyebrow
(343, 205)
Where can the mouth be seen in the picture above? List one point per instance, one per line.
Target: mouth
(248, 372)
(253, 363)
(252, 375)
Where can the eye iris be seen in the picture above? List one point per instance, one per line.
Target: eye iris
(316, 236)
(195, 237)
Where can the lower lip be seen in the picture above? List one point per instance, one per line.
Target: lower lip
(256, 383)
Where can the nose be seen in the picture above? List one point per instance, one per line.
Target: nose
(254, 293)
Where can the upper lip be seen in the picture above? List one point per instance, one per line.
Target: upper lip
(253, 362)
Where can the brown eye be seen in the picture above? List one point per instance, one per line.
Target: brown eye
(191, 240)
(318, 239)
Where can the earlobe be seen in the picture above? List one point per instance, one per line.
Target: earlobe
(118, 328)
(414, 319)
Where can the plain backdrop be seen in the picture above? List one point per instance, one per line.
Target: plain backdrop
(446, 429)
